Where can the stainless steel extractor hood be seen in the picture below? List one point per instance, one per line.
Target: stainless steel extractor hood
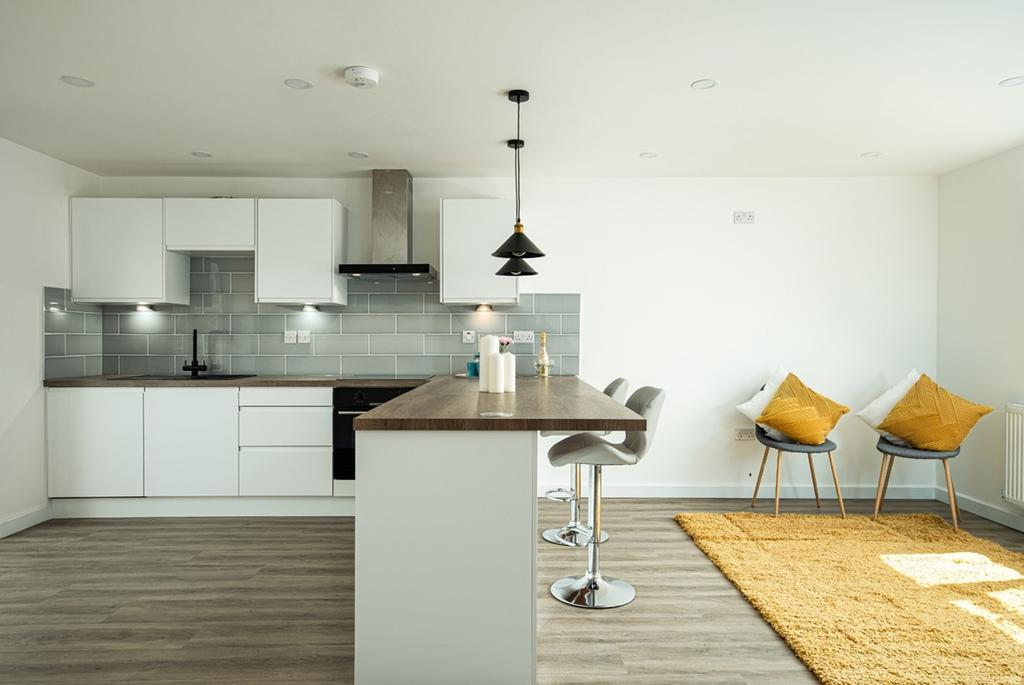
(391, 231)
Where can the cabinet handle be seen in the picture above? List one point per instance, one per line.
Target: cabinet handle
(351, 413)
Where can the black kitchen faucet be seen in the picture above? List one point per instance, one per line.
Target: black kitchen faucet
(194, 366)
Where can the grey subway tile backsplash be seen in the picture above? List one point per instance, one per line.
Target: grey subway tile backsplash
(388, 328)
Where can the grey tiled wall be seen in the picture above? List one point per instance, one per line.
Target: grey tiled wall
(388, 328)
(72, 343)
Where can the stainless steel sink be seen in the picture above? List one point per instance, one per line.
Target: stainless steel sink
(212, 377)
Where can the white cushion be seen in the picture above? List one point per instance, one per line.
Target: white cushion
(755, 406)
(879, 408)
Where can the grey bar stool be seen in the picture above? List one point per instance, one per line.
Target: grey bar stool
(574, 533)
(890, 452)
(592, 590)
(798, 447)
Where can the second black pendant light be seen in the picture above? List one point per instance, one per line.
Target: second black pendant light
(518, 248)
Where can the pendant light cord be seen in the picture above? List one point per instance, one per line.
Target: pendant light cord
(518, 145)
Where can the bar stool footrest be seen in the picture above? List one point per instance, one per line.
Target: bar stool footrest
(560, 495)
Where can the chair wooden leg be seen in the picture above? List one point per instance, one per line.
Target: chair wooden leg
(835, 479)
(760, 475)
(814, 481)
(952, 495)
(885, 485)
(778, 479)
(881, 481)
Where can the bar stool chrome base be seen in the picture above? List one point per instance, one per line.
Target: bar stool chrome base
(593, 591)
(571, 536)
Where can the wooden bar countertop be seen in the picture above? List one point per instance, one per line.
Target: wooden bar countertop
(559, 403)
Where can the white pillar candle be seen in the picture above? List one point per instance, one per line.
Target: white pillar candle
(488, 344)
(495, 372)
(509, 362)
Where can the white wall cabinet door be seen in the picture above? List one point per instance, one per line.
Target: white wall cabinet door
(118, 255)
(470, 231)
(299, 244)
(204, 224)
(191, 442)
(94, 442)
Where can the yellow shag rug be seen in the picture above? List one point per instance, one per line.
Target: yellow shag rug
(899, 601)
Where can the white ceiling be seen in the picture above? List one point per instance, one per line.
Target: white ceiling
(806, 85)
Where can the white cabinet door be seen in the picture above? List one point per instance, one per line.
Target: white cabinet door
(299, 244)
(118, 255)
(191, 442)
(285, 471)
(470, 231)
(285, 426)
(203, 224)
(94, 442)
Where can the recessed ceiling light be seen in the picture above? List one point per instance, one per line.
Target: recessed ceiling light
(648, 155)
(704, 84)
(78, 81)
(870, 155)
(298, 83)
(202, 155)
(358, 155)
(1012, 81)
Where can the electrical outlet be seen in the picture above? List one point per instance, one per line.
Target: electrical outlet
(469, 336)
(743, 217)
(522, 336)
(304, 337)
(744, 434)
(290, 337)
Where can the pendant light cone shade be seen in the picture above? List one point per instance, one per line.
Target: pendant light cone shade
(518, 246)
(516, 267)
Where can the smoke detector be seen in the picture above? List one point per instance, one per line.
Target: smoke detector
(362, 77)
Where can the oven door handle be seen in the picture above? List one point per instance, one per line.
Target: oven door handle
(342, 412)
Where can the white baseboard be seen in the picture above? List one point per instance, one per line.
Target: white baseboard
(1006, 517)
(866, 491)
(136, 507)
(25, 519)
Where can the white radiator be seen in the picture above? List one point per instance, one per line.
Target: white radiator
(1013, 491)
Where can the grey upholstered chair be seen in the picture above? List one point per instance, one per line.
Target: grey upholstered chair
(592, 590)
(797, 447)
(889, 453)
(574, 533)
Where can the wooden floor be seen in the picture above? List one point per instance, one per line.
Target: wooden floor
(270, 600)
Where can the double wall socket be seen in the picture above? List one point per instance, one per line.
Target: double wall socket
(522, 336)
(744, 434)
(292, 337)
(743, 217)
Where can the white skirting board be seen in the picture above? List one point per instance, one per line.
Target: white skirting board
(25, 519)
(136, 507)
(746, 490)
(1009, 519)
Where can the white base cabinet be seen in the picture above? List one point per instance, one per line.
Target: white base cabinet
(94, 442)
(284, 471)
(191, 442)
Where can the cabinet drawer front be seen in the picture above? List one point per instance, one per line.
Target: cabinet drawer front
(210, 223)
(286, 397)
(284, 471)
(285, 426)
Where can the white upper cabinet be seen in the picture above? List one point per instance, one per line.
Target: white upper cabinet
(470, 231)
(203, 224)
(299, 245)
(118, 253)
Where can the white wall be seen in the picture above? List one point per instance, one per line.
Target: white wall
(836, 280)
(34, 238)
(981, 245)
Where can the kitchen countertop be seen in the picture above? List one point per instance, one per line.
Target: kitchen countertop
(250, 382)
(559, 403)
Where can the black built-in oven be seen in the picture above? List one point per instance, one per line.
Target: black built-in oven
(348, 404)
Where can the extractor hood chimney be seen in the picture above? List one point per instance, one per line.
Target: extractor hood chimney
(391, 231)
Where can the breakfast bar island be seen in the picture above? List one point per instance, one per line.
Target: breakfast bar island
(446, 527)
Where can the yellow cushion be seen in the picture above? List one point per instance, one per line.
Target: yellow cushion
(929, 417)
(800, 413)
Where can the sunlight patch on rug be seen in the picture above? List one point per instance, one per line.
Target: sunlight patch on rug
(952, 568)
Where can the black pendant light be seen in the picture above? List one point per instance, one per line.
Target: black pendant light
(518, 248)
